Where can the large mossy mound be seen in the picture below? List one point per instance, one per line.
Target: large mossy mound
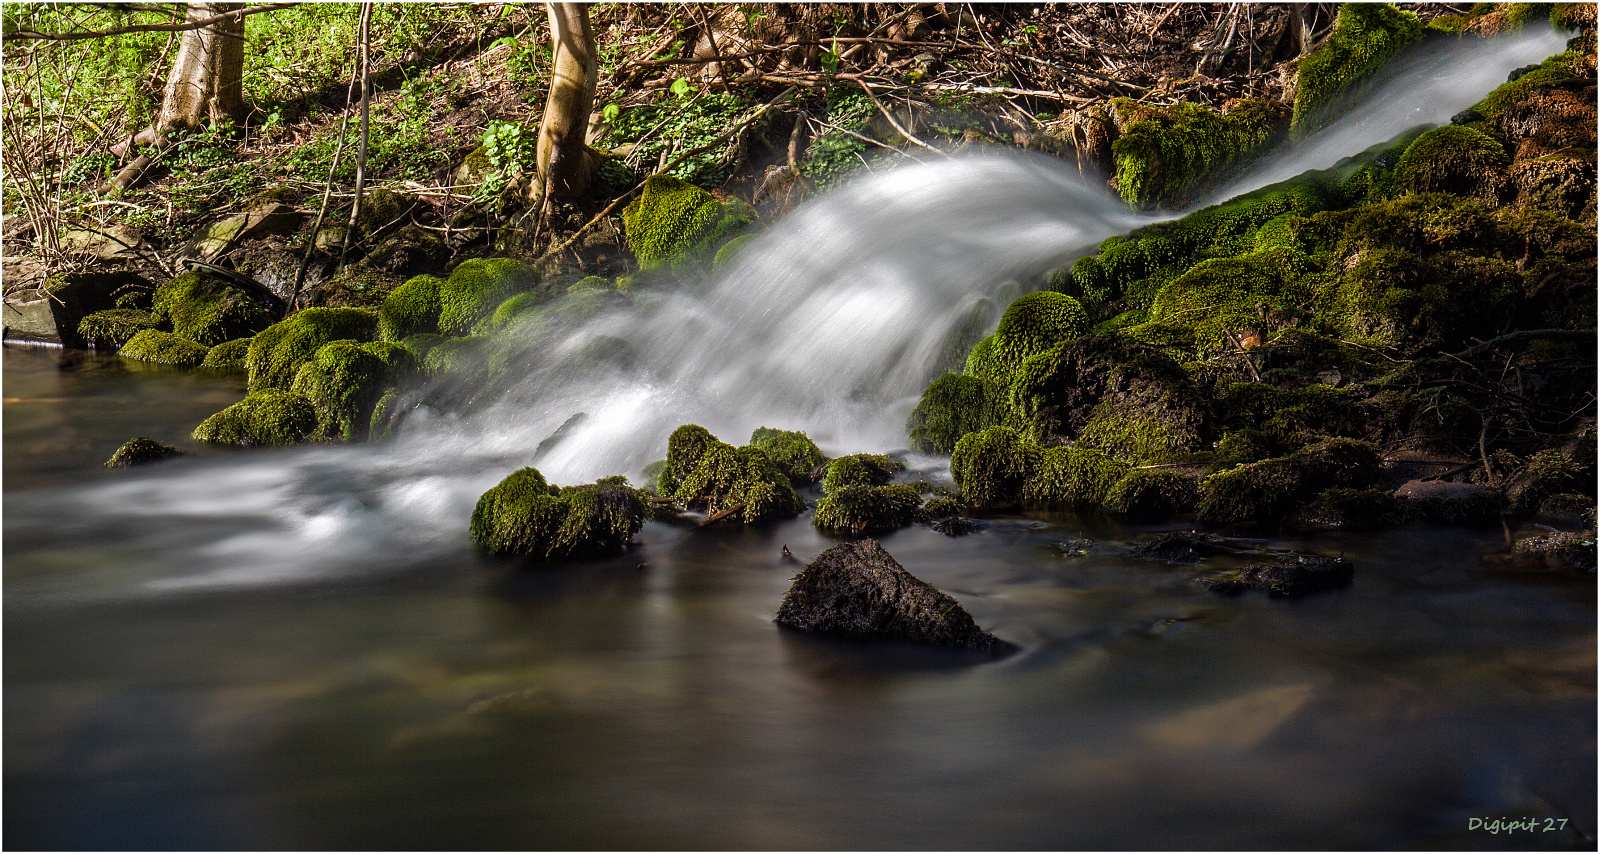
(992, 465)
(210, 311)
(411, 309)
(476, 287)
(164, 348)
(674, 223)
(1365, 37)
(114, 327)
(704, 473)
(951, 407)
(790, 450)
(345, 381)
(229, 355)
(858, 509)
(1164, 155)
(266, 417)
(526, 516)
(278, 351)
(1269, 491)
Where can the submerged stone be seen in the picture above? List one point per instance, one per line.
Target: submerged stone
(1560, 550)
(1289, 575)
(1450, 503)
(858, 590)
(141, 451)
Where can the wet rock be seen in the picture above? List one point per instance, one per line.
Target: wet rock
(943, 514)
(1289, 575)
(141, 451)
(1349, 510)
(955, 526)
(70, 297)
(1450, 503)
(1078, 547)
(859, 590)
(1188, 547)
(1560, 550)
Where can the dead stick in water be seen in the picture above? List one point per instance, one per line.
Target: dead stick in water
(722, 514)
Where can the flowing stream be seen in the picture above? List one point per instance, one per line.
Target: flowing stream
(298, 648)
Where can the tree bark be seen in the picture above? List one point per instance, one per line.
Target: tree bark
(564, 167)
(207, 78)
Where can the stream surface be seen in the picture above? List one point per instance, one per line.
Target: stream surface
(442, 700)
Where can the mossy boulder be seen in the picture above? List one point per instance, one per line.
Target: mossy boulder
(1341, 509)
(1285, 576)
(72, 296)
(992, 465)
(410, 309)
(277, 352)
(1223, 297)
(164, 348)
(1152, 495)
(526, 516)
(1365, 37)
(1032, 324)
(790, 450)
(210, 311)
(266, 417)
(704, 473)
(141, 451)
(345, 381)
(730, 250)
(355, 287)
(673, 223)
(1078, 476)
(1271, 490)
(229, 355)
(1454, 159)
(476, 287)
(1164, 155)
(858, 509)
(113, 327)
(951, 407)
(859, 470)
(407, 250)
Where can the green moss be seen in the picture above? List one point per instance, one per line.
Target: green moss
(277, 352)
(790, 450)
(1365, 37)
(992, 465)
(507, 312)
(674, 223)
(113, 327)
(1453, 159)
(385, 415)
(730, 250)
(477, 287)
(1270, 490)
(1034, 323)
(141, 451)
(164, 348)
(345, 380)
(685, 447)
(951, 407)
(1222, 296)
(266, 417)
(590, 283)
(859, 470)
(1152, 495)
(209, 311)
(1080, 476)
(707, 474)
(460, 356)
(524, 515)
(1572, 16)
(420, 345)
(411, 309)
(1165, 154)
(229, 355)
(859, 510)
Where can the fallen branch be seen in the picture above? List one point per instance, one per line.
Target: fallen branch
(152, 28)
(892, 122)
(722, 514)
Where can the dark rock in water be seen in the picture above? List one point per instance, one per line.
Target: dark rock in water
(1188, 547)
(1289, 575)
(139, 451)
(1078, 547)
(858, 590)
(1466, 117)
(954, 526)
(1560, 550)
(1450, 503)
(1341, 509)
(943, 514)
(1518, 72)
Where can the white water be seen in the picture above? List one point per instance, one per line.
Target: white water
(831, 323)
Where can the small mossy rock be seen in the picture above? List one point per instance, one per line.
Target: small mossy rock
(590, 283)
(1271, 490)
(164, 348)
(745, 480)
(1224, 296)
(1163, 155)
(524, 515)
(478, 286)
(345, 380)
(1151, 413)
(859, 470)
(422, 344)
(73, 296)
(1341, 509)
(790, 450)
(1548, 472)
(1562, 550)
(379, 209)
(1365, 37)
(992, 465)
(673, 222)
(951, 407)
(210, 311)
(267, 417)
(1450, 503)
(1287, 576)
(1454, 159)
(1079, 476)
(1152, 495)
(1034, 323)
(1187, 548)
(141, 451)
(510, 311)
(858, 590)
(857, 510)
(411, 309)
(1567, 510)
(730, 250)
(685, 447)
(113, 327)
(462, 357)
(229, 355)
(277, 352)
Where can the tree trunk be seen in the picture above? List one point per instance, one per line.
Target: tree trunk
(207, 78)
(564, 166)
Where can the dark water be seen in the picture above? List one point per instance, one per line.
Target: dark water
(446, 701)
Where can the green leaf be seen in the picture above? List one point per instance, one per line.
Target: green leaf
(681, 87)
(610, 113)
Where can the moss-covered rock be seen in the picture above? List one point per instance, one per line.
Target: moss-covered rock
(790, 450)
(730, 250)
(858, 509)
(229, 355)
(860, 470)
(266, 417)
(1287, 576)
(420, 345)
(1163, 155)
(674, 223)
(951, 407)
(277, 352)
(476, 287)
(141, 451)
(210, 311)
(1223, 296)
(1152, 495)
(992, 465)
(1079, 476)
(1271, 490)
(1365, 37)
(1454, 159)
(113, 327)
(163, 348)
(345, 381)
(74, 295)
(1341, 509)
(411, 309)
(463, 357)
(526, 516)
(708, 474)
(407, 250)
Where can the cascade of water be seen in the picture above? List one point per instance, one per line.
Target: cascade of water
(831, 323)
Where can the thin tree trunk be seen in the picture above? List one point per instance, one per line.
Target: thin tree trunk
(366, 105)
(563, 164)
(207, 77)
